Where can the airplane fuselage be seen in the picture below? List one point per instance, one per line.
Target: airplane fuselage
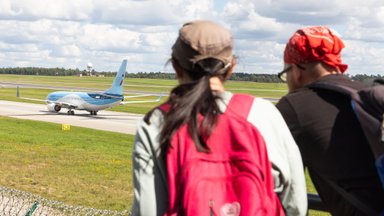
(82, 100)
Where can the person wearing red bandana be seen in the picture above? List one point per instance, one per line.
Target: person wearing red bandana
(324, 125)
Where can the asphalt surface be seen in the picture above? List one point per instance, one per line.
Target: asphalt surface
(104, 120)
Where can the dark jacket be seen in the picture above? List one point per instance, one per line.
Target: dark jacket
(332, 145)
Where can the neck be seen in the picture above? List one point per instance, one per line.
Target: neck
(318, 70)
(216, 84)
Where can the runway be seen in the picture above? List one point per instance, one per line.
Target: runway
(104, 120)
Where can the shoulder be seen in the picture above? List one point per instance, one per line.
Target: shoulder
(338, 80)
(150, 128)
(261, 102)
(298, 97)
(373, 100)
(264, 112)
(153, 119)
(147, 134)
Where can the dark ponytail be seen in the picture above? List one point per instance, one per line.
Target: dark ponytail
(188, 101)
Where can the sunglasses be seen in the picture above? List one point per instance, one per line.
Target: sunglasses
(283, 74)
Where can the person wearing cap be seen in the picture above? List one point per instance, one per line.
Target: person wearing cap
(202, 58)
(323, 124)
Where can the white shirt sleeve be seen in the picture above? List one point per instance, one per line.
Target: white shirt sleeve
(150, 195)
(283, 152)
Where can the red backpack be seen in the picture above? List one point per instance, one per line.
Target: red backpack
(233, 179)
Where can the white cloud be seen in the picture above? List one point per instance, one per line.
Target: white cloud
(70, 33)
(109, 37)
(68, 51)
(45, 9)
(364, 57)
(6, 9)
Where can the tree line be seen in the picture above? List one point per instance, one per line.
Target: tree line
(237, 76)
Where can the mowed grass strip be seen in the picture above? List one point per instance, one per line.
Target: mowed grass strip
(80, 167)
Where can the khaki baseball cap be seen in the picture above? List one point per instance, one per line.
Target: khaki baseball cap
(202, 39)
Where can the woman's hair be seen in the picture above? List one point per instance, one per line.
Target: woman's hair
(202, 50)
(191, 100)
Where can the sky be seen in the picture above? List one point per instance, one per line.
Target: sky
(72, 33)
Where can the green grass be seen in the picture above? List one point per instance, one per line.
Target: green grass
(78, 167)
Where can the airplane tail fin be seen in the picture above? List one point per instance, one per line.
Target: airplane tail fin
(118, 82)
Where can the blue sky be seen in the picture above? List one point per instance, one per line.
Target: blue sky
(71, 33)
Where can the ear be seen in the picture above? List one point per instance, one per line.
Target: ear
(298, 75)
(233, 63)
(178, 69)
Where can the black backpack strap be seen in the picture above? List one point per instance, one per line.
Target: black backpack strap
(364, 208)
(368, 125)
(369, 119)
(345, 90)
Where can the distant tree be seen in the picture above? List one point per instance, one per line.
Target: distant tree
(237, 76)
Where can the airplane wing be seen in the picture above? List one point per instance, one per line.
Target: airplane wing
(33, 99)
(133, 96)
(63, 105)
(142, 101)
(142, 95)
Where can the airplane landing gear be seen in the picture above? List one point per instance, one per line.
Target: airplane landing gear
(71, 112)
(93, 112)
(57, 108)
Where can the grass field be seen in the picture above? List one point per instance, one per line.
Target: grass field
(83, 166)
(79, 167)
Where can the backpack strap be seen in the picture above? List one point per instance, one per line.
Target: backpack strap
(240, 104)
(364, 115)
(370, 99)
(165, 107)
(364, 208)
(345, 90)
(369, 120)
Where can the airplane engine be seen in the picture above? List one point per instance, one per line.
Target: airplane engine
(53, 107)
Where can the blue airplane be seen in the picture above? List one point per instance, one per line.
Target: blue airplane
(92, 101)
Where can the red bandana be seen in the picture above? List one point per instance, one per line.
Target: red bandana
(316, 43)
